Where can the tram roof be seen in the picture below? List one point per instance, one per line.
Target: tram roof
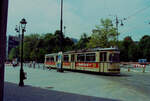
(86, 50)
(51, 54)
(93, 50)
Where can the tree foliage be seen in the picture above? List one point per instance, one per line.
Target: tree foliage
(104, 35)
(144, 47)
(36, 46)
(82, 43)
(14, 53)
(128, 49)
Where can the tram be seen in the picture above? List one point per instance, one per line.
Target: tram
(103, 60)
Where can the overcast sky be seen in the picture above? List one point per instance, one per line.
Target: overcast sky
(80, 16)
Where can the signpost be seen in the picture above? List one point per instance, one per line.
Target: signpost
(3, 27)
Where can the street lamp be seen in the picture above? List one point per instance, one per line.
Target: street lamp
(22, 74)
(117, 22)
(17, 29)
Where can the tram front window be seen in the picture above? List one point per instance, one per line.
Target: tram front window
(114, 57)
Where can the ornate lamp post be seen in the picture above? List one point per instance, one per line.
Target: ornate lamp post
(22, 74)
(17, 29)
(118, 22)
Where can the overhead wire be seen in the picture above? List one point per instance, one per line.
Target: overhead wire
(128, 17)
(139, 11)
(132, 15)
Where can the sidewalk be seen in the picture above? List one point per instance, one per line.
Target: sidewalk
(28, 93)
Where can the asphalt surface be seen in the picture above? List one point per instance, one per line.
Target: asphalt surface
(46, 85)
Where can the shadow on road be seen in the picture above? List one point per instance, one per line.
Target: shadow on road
(28, 93)
(99, 73)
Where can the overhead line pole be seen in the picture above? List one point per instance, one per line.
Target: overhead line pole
(3, 27)
(117, 22)
(61, 32)
(61, 21)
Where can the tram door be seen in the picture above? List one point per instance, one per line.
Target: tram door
(103, 62)
(72, 61)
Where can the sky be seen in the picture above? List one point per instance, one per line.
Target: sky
(80, 16)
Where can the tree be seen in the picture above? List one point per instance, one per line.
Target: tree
(104, 35)
(36, 46)
(14, 53)
(144, 47)
(128, 50)
(82, 43)
(68, 44)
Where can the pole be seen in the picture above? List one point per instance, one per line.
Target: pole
(61, 20)
(3, 27)
(19, 42)
(61, 32)
(117, 22)
(21, 83)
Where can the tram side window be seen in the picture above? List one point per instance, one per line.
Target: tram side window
(47, 59)
(90, 57)
(80, 58)
(51, 59)
(66, 58)
(56, 58)
(110, 57)
(72, 58)
(114, 57)
(103, 56)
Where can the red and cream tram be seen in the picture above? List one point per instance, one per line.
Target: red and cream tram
(105, 60)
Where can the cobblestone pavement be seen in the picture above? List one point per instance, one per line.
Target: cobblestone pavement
(129, 86)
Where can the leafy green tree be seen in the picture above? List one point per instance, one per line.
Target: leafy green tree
(104, 35)
(144, 47)
(49, 42)
(14, 53)
(68, 44)
(128, 50)
(82, 43)
(37, 45)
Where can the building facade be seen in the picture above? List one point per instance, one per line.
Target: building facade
(12, 42)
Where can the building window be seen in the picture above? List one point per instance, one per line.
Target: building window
(90, 57)
(80, 57)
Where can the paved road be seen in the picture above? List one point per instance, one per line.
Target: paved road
(130, 86)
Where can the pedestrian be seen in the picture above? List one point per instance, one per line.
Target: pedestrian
(34, 64)
(30, 64)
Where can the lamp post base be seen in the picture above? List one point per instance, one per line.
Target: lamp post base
(21, 83)
(60, 70)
